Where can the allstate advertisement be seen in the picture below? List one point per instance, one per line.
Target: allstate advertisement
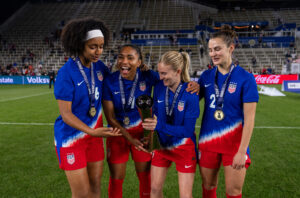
(24, 80)
(291, 86)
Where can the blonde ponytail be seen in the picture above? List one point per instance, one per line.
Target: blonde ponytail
(178, 60)
(185, 76)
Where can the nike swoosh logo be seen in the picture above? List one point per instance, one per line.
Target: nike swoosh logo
(207, 85)
(80, 83)
(185, 166)
(116, 92)
(159, 101)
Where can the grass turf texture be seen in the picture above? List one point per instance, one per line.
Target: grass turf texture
(29, 166)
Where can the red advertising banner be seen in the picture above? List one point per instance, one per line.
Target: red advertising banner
(274, 79)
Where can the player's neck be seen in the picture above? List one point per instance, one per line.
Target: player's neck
(174, 86)
(85, 62)
(224, 69)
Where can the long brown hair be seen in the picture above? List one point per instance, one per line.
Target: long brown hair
(226, 34)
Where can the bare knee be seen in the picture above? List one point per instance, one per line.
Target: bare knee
(234, 190)
(95, 186)
(209, 184)
(156, 189)
(209, 178)
(82, 193)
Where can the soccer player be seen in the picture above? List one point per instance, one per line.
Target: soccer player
(176, 112)
(120, 90)
(230, 95)
(78, 91)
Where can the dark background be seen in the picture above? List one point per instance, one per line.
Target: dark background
(11, 6)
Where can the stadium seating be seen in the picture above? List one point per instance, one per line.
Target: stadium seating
(29, 27)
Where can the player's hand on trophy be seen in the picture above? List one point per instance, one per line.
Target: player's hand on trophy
(146, 141)
(138, 145)
(150, 123)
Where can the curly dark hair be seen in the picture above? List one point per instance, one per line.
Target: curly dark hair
(74, 33)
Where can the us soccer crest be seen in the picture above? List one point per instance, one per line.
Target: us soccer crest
(143, 86)
(70, 158)
(231, 87)
(180, 106)
(99, 75)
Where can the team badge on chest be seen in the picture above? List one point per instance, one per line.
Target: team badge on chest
(99, 75)
(70, 158)
(180, 106)
(142, 85)
(231, 87)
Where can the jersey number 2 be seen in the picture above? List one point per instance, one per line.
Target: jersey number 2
(213, 100)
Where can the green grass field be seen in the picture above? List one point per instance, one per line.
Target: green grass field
(29, 166)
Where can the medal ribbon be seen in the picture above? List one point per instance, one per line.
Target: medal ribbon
(91, 88)
(220, 95)
(131, 96)
(170, 111)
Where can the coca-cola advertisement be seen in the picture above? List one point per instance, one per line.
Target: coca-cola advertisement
(274, 79)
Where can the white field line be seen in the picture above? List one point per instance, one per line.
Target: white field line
(30, 123)
(22, 97)
(51, 124)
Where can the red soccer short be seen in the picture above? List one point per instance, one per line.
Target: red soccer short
(184, 157)
(76, 157)
(118, 149)
(213, 160)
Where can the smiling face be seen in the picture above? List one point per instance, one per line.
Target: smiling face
(219, 52)
(93, 48)
(170, 77)
(128, 61)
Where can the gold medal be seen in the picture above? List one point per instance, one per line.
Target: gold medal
(219, 115)
(92, 111)
(126, 120)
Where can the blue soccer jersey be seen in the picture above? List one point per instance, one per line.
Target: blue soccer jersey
(145, 83)
(70, 86)
(181, 130)
(225, 136)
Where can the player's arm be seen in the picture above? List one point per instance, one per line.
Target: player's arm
(183, 131)
(201, 87)
(249, 118)
(186, 129)
(65, 109)
(193, 87)
(109, 112)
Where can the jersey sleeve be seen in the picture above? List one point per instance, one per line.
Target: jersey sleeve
(107, 95)
(188, 127)
(250, 93)
(152, 77)
(200, 82)
(155, 76)
(64, 86)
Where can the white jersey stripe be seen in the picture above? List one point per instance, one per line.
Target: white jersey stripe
(197, 126)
